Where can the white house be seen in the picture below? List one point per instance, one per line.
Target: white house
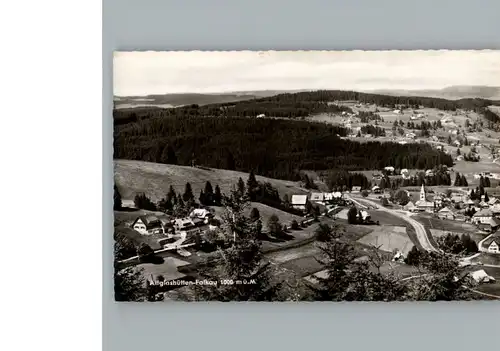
(201, 213)
(389, 169)
(356, 189)
(405, 173)
(365, 216)
(261, 115)
(299, 202)
(317, 197)
(128, 203)
(147, 225)
(481, 276)
(493, 247)
(483, 216)
(376, 189)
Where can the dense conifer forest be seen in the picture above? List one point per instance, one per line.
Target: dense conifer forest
(276, 148)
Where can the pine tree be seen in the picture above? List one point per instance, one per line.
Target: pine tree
(481, 182)
(242, 261)
(209, 194)
(202, 198)
(171, 196)
(487, 182)
(252, 186)
(241, 187)
(464, 181)
(217, 196)
(188, 193)
(254, 214)
(458, 180)
(486, 197)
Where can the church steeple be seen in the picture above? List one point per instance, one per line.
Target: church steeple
(422, 194)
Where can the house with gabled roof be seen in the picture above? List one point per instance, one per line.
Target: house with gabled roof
(492, 244)
(446, 213)
(482, 216)
(299, 202)
(147, 225)
(490, 226)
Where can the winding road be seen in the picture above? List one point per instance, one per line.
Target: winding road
(420, 231)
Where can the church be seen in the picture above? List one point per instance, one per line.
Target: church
(422, 204)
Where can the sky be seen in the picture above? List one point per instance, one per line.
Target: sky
(163, 72)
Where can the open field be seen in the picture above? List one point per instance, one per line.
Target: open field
(388, 238)
(445, 224)
(154, 179)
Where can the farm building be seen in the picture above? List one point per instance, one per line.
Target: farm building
(147, 225)
(446, 213)
(317, 197)
(481, 276)
(410, 206)
(376, 189)
(491, 225)
(356, 189)
(201, 213)
(483, 216)
(128, 204)
(299, 202)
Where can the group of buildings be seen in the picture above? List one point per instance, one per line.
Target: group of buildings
(150, 224)
(299, 202)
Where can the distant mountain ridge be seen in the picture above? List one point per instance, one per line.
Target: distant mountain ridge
(451, 93)
(181, 99)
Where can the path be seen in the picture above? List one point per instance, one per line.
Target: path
(420, 231)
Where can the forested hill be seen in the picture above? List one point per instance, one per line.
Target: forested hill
(293, 105)
(276, 148)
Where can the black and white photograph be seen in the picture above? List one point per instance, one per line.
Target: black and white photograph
(306, 175)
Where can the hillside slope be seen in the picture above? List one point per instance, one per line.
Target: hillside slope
(154, 179)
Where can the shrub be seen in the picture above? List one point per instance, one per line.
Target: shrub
(323, 233)
(295, 225)
(364, 193)
(274, 226)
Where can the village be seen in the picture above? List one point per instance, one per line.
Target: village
(442, 210)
